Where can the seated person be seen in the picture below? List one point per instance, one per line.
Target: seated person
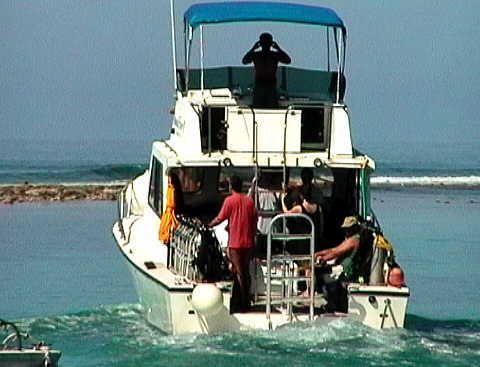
(294, 202)
(302, 203)
(266, 63)
(396, 277)
(346, 255)
(308, 190)
(348, 247)
(264, 196)
(267, 200)
(187, 177)
(174, 180)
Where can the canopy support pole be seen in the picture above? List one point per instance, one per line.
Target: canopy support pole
(328, 49)
(174, 49)
(339, 53)
(201, 59)
(187, 53)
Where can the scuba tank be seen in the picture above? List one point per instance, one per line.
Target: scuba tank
(381, 248)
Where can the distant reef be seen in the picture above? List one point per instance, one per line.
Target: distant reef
(29, 193)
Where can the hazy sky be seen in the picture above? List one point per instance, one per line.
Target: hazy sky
(101, 69)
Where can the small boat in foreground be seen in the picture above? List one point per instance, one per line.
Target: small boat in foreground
(14, 353)
(184, 283)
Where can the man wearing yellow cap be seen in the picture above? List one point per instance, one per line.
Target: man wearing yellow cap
(350, 243)
(346, 254)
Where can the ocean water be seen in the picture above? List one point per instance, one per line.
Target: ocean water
(62, 280)
(397, 163)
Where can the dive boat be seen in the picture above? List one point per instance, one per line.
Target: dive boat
(183, 283)
(13, 351)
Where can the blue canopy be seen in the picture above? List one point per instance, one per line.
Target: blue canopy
(255, 11)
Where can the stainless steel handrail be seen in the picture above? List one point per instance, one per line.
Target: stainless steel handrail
(287, 259)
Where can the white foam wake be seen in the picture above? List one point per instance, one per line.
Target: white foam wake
(426, 181)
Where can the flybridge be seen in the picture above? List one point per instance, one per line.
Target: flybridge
(214, 110)
(218, 13)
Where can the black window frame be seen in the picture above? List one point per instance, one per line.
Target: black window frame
(155, 191)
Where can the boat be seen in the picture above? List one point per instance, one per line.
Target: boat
(183, 283)
(14, 352)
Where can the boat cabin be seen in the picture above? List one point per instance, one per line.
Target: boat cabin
(216, 132)
(224, 110)
(343, 191)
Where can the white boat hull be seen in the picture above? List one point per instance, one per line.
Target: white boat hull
(379, 307)
(167, 301)
(29, 358)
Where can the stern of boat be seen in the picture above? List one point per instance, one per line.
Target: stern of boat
(378, 306)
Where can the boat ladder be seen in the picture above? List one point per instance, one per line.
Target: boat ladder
(281, 268)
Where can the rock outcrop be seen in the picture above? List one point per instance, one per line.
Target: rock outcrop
(28, 193)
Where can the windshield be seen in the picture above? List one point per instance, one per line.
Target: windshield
(306, 45)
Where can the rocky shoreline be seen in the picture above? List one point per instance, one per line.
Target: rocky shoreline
(28, 193)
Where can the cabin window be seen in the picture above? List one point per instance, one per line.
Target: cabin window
(156, 186)
(314, 129)
(191, 178)
(345, 189)
(217, 139)
(245, 173)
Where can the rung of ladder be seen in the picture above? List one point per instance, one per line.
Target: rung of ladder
(291, 237)
(290, 257)
(294, 277)
(279, 300)
(267, 213)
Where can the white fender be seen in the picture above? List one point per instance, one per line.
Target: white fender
(207, 299)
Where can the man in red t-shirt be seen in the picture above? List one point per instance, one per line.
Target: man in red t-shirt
(241, 214)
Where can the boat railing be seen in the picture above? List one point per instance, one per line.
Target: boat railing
(14, 336)
(293, 82)
(127, 201)
(194, 252)
(122, 205)
(123, 209)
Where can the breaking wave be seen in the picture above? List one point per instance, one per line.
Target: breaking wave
(427, 181)
(113, 174)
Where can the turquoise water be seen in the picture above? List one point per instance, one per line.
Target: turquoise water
(63, 281)
(113, 161)
(435, 233)
(118, 336)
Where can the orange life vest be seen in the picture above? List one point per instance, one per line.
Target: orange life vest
(168, 221)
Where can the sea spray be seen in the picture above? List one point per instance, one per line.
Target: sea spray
(120, 336)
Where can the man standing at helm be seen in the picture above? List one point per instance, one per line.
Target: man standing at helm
(266, 63)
